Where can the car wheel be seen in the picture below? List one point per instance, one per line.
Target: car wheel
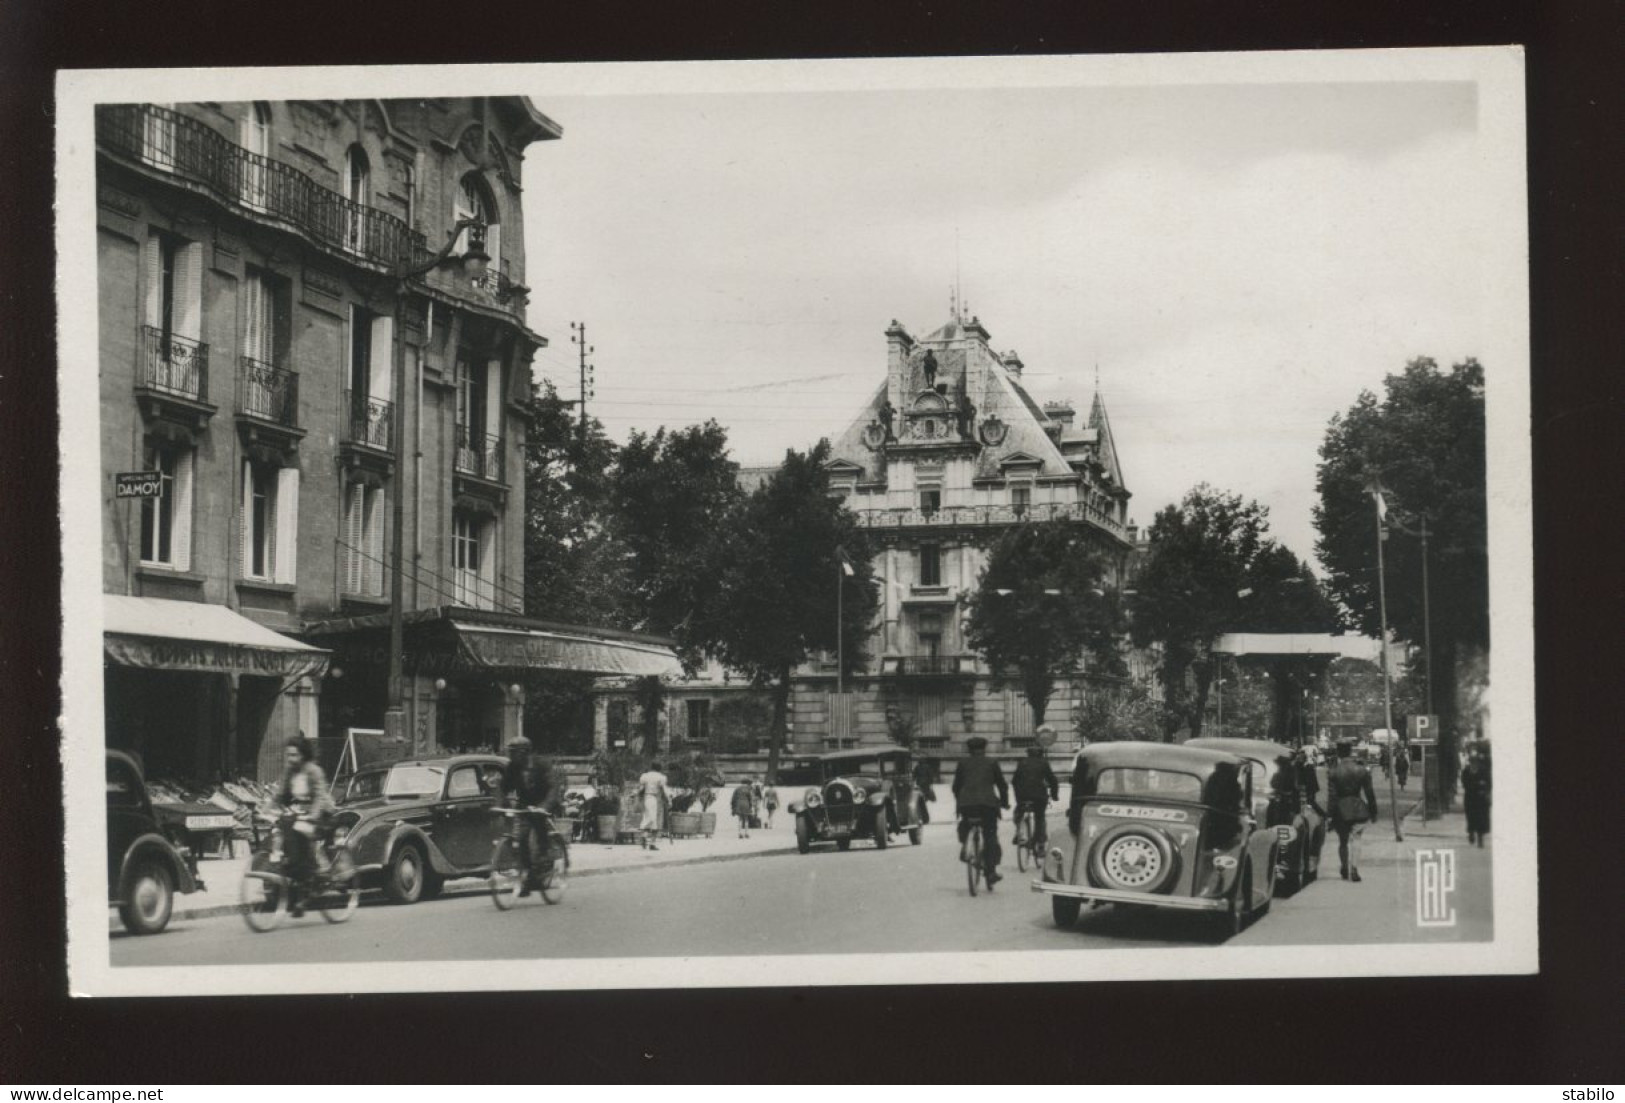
(803, 835)
(880, 829)
(149, 899)
(914, 836)
(1065, 909)
(405, 877)
(1133, 857)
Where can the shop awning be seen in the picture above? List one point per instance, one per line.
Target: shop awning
(160, 634)
(505, 649)
(454, 640)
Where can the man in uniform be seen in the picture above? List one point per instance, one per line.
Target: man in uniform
(1352, 801)
(979, 793)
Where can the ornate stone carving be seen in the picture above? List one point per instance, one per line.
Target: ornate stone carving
(993, 431)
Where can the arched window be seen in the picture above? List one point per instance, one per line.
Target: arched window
(474, 200)
(358, 190)
(254, 135)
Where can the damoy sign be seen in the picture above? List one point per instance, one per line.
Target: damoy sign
(138, 484)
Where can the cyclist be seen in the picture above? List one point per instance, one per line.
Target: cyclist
(304, 793)
(1035, 786)
(525, 784)
(979, 792)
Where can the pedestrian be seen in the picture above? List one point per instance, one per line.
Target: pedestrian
(744, 807)
(1475, 792)
(653, 789)
(1402, 766)
(979, 793)
(1352, 801)
(756, 803)
(924, 776)
(770, 804)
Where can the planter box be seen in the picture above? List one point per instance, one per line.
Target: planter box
(606, 828)
(685, 824)
(708, 824)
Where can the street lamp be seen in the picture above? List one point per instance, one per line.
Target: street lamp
(474, 260)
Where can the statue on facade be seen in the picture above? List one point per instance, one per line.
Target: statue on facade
(887, 413)
(929, 366)
(966, 415)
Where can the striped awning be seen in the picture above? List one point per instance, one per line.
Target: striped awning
(161, 634)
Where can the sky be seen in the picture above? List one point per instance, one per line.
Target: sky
(1236, 261)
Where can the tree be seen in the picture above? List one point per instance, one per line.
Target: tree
(1042, 601)
(1424, 441)
(1202, 554)
(1283, 595)
(1126, 712)
(776, 559)
(668, 495)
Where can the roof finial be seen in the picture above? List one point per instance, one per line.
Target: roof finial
(1097, 376)
(959, 298)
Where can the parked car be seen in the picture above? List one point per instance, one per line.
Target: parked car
(866, 793)
(416, 824)
(1302, 831)
(1163, 826)
(145, 869)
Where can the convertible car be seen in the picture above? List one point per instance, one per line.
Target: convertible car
(1163, 826)
(414, 825)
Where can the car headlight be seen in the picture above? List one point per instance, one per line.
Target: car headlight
(813, 798)
(859, 793)
(1224, 861)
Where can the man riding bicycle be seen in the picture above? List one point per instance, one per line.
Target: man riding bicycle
(979, 792)
(1035, 786)
(525, 784)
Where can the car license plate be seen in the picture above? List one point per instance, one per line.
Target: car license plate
(209, 823)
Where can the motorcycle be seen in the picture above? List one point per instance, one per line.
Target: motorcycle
(278, 880)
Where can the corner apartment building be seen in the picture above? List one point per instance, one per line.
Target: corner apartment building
(278, 343)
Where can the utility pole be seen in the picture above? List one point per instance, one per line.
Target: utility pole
(1382, 643)
(578, 337)
(1427, 621)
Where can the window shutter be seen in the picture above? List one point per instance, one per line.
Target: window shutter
(493, 400)
(383, 359)
(152, 271)
(354, 512)
(493, 245)
(488, 565)
(181, 513)
(375, 541)
(189, 291)
(245, 525)
(287, 525)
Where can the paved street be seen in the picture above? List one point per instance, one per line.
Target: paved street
(904, 899)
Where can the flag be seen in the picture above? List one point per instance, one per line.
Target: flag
(846, 563)
(1374, 488)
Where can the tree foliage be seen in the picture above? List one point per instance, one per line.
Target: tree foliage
(779, 581)
(1042, 602)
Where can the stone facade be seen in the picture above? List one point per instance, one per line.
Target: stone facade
(257, 306)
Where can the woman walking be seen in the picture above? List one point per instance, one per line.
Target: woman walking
(1475, 793)
(770, 804)
(652, 786)
(744, 807)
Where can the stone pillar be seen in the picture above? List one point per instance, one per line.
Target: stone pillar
(513, 714)
(600, 723)
(898, 346)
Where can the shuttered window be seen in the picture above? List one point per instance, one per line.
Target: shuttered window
(166, 521)
(363, 557)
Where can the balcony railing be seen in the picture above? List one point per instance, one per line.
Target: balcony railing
(178, 144)
(479, 454)
(372, 421)
(921, 666)
(268, 392)
(173, 365)
(986, 515)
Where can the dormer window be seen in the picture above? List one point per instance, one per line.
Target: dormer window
(930, 501)
(1021, 497)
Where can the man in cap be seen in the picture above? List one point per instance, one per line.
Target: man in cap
(979, 793)
(1035, 785)
(1352, 801)
(525, 785)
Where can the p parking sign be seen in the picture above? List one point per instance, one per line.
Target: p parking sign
(1424, 730)
(138, 484)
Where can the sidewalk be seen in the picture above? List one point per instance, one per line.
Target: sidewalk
(223, 876)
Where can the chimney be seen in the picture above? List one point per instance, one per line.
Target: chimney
(1012, 363)
(1061, 413)
(898, 345)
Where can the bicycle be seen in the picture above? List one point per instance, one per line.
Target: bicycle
(271, 884)
(549, 872)
(1026, 842)
(970, 852)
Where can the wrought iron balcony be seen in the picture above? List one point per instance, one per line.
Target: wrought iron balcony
(172, 365)
(174, 143)
(371, 421)
(479, 454)
(920, 666)
(986, 515)
(268, 392)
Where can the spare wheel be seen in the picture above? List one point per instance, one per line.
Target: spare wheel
(1133, 856)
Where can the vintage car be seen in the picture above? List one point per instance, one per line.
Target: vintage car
(1163, 826)
(415, 824)
(145, 867)
(866, 793)
(1302, 830)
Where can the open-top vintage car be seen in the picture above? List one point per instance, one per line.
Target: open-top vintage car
(1163, 826)
(1302, 830)
(414, 825)
(865, 793)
